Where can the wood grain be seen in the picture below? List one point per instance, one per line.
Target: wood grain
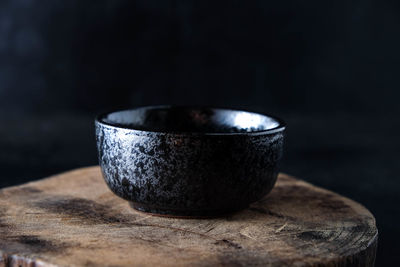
(72, 219)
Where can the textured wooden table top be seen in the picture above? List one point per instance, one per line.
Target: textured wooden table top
(72, 219)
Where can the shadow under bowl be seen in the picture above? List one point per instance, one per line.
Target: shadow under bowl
(189, 161)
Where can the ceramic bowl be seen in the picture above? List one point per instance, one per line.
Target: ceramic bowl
(189, 161)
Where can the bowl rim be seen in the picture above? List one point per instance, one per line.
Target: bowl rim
(279, 128)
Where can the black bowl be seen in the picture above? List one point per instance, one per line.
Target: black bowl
(188, 161)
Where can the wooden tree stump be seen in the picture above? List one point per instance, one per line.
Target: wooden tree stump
(72, 219)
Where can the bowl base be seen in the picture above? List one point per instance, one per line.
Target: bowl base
(183, 214)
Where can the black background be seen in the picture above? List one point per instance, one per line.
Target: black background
(331, 69)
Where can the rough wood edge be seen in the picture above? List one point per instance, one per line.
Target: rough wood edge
(17, 260)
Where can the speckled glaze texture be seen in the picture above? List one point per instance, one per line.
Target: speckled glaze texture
(188, 174)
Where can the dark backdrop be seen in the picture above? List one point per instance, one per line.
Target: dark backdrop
(331, 69)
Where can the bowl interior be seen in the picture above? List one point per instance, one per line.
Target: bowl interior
(190, 120)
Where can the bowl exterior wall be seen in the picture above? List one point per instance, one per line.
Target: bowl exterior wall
(188, 175)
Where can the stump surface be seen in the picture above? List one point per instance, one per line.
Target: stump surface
(73, 219)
